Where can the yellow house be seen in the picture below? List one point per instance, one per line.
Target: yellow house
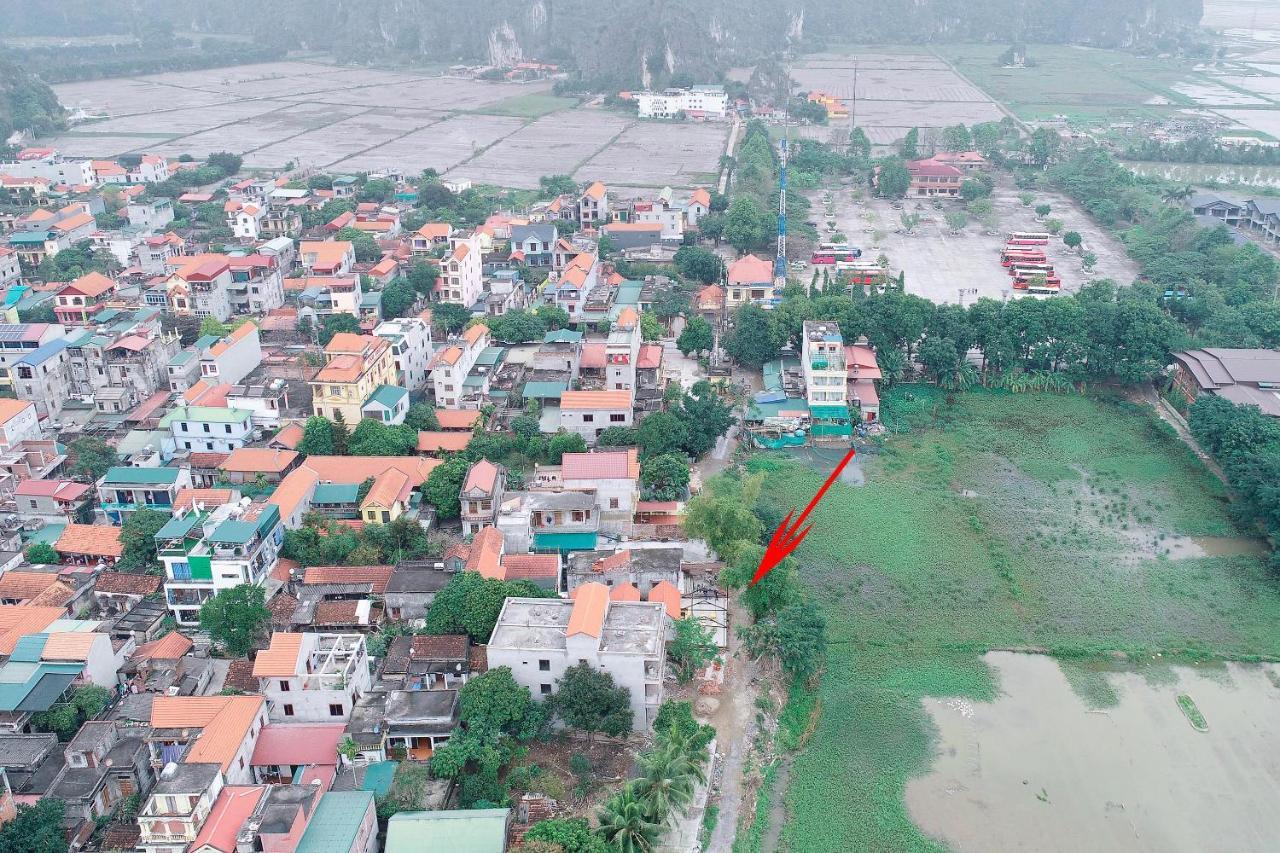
(356, 366)
(387, 496)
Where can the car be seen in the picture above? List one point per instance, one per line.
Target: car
(798, 265)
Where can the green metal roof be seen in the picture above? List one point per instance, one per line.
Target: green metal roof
(206, 414)
(829, 412)
(183, 357)
(538, 390)
(562, 336)
(475, 380)
(629, 293)
(387, 396)
(335, 493)
(29, 686)
(233, 532)
(29, 648)
(48, 534)
(178, 528)
(205, 341)
(760, 411)
(451, 831)
(335, 822)
(564, 541)
(143, 476)
(378, 777)
(28, 237)
(492, 356)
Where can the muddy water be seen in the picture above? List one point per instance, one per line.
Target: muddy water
(1190, 547)
(1037, 770)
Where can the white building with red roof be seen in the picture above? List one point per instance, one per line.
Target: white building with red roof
(931, 178)
(461, 280)
(750, 279)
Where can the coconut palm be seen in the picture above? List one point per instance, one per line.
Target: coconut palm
(667, 779)
(1179, 193)
(625, 823)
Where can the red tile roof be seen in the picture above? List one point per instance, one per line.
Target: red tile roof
(377, 576)
(666, 593)
(296, 743)
(443, 441)
(169, 647)
(457, 418)
(530, 567)
(624, 592)
(94, 540)
(751, 270)
(126, 583)
(606, 465)
(590, 604)
(482, 477)
(439, 647)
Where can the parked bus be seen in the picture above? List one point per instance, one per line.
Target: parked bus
(1028, 238)
(833, 253)
(1009, 257)
(1030, 269)
(1038, 284)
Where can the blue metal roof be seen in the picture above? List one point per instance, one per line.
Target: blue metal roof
(44, 353)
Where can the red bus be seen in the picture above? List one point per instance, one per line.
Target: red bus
(1009, 257)
(1038, 284)
(832, 253)
(1025, 270)
(1028, 238)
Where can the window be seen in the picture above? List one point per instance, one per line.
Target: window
(613, 503)
(206, 427)
(586, 419)
(617, 419)
(336, 710)
(544, 665)
(228, 429)
(544, 689)
(386, 517)
(288, 710)
(284, 687)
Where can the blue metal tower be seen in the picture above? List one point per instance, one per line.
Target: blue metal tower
(780, 264)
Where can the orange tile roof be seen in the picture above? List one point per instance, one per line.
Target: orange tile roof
(280, 660)
(458, 418)
(240, 333)
(210, 498)
(234, 806)
(589, 607)
(592, 400)
(436, 230)
(482, 476)
(126, 583)
(71, 223)
(265, 459)
(90, 284)
(300, 482)
(327, 252)
(751, 270)
(435, 442)
(289, 436)
(616, 560)
(530, 567)
(388, 488)
(69, 645)
(450, 355)
(624, 592)
(700, 196)
(486, 553)
(98, 540)
(224, 720)
(18, 620)
(376, 576)
(348, 342)
(460, 251)
(628, 318)
(596, 190)
(171, 646)
(24, 586)
(55, 595)
(341, 368)
(639, 227)
(666, 593)
(475, 333)
(11, 408)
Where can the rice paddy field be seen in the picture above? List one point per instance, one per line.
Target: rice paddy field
(1077, 526)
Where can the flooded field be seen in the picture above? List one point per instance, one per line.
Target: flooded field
(1037, 769)
(1207, 173)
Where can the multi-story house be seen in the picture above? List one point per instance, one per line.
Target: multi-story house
(452, 365)
(575, 283)
(245, 218)
(21, 339)
(267, 402)
(230, 359)
(43, 377)
(429, 239)
(209, 429)
(47, 163)
(221, 731)
(54, 232)
(326, 257)
(822, 362)
(123, 489)
(122, 363)
(151, 215)
(205, 551)
(613, 477)
(79, 300)
(461, 279)
(931, 178)
(662, 212)
(622, 352)
(695, 102)
(411, 349)
(104, 764)
(312, 678)
(535, 243)
(18, 422)
(319, 297)
(356, 365)
(158, 253)
(750, 280)
(593, 205)
(257, 284)
(539, 639)
(480, 496)
(589, 413)
(10, 268)
(698, 206)
(179, 805)
(201, 287)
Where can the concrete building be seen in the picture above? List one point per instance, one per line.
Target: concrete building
(481, 493)
(411, 349)
(47, 163)
(228, 360)
(452, 365)
(79, 300)
(461, 280)
(150, 215)
(326, 257)
(18, 422)
(822, 363)
(209, 429)
(593, 205)
(589, 413)
(1246, 377)
(750, 280)
(539, 639)
(18, 340)
(930, 178)
(205, 551)
(696, 102)
(357, 365)
(124, 489)
(312, 678)
(257, 284)
(178, 807)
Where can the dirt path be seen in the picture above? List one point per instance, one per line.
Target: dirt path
(1167, 414)
(736, 728)
(777, 808)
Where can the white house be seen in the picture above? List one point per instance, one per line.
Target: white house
(588, 413)
(18, 422)
(209, 429)
(539, 639)
(453, 362)
(696, 102)
(151, 215)
(410, 339)
(462, 272)
(47, 163)
(233, 357)
(312, 678)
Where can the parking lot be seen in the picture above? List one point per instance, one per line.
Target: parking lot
(948, 268)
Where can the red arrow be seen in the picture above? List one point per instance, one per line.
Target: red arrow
(784, 539)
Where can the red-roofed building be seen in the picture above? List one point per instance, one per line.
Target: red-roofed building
(931, 178)
(750, 280)
(480, 495)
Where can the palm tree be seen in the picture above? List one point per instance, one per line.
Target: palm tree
(667, 778)
(961, 376)
(626, 824)
(1179, 193)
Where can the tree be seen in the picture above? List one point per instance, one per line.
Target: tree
(722, 514)
(422, 278)
(210, 327)
(225, 161)
(443, 485)
(555, 185)
(625, 823)
(699, 264)
(138, 536)
(696, 336)
(956, 138)
(36, 828)
(614, 436)
(893, 180)
(42, 553)
(1042, 210)
(802, 641)
(667, 778)
(1053, 226)
(398, 298)
(65, 718)
(494, 702)
(773, 592)
(235, 618)
(706, 417)
(972, 189)
(562, 443)
(517, 327)
(859, 144)
(692, 648)
(470, 603)
(1072, 240)
(650, 327)
(366, 248)
(317, 437)
(1026, 198)
(421, 416)
(956, 220)
(746, 225)
(449, 318)
(93, 457)
(588, 699)
(754, 338)
(661, 433)
(572, 835)
(1088, 260)
(665, 477)
(1044, 146)
(332, 324)
(374, 438)
(910, 148)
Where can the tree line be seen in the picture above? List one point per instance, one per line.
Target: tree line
(1203, 149)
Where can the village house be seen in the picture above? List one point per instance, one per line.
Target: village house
(589, 413)
(18, 340)
(10, 268)
(430, 238)
(593, 205)
(481, 493)
(79, 300)
(750, 279)
(123, 489)
(103, 764)
(149, 215)
(931, 178)
(326, 258)
(201, 287)
(227, 360)
(206, 731)
(89, 544)
(54, 501)
(708, 102)
(312, 678)
(257, 284)
(179, 805)
(452, 366)
(461, 280)
(19, 422)
(208, 428)
(246, 464)
(300, 488)
(411, 349)
(291, 750)
(698, 206)
(356, 365)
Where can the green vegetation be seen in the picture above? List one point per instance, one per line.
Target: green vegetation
(470, 603)
(1056, 551)
(236, 618)
(529, 106)
(750, 841)
(27, 102)
(65, 718)
(1188, 706)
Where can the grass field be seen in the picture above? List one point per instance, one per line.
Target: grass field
(1072, 499)
(529, 106)
(1078, 82)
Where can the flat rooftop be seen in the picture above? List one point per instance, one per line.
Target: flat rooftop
(630, 627)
